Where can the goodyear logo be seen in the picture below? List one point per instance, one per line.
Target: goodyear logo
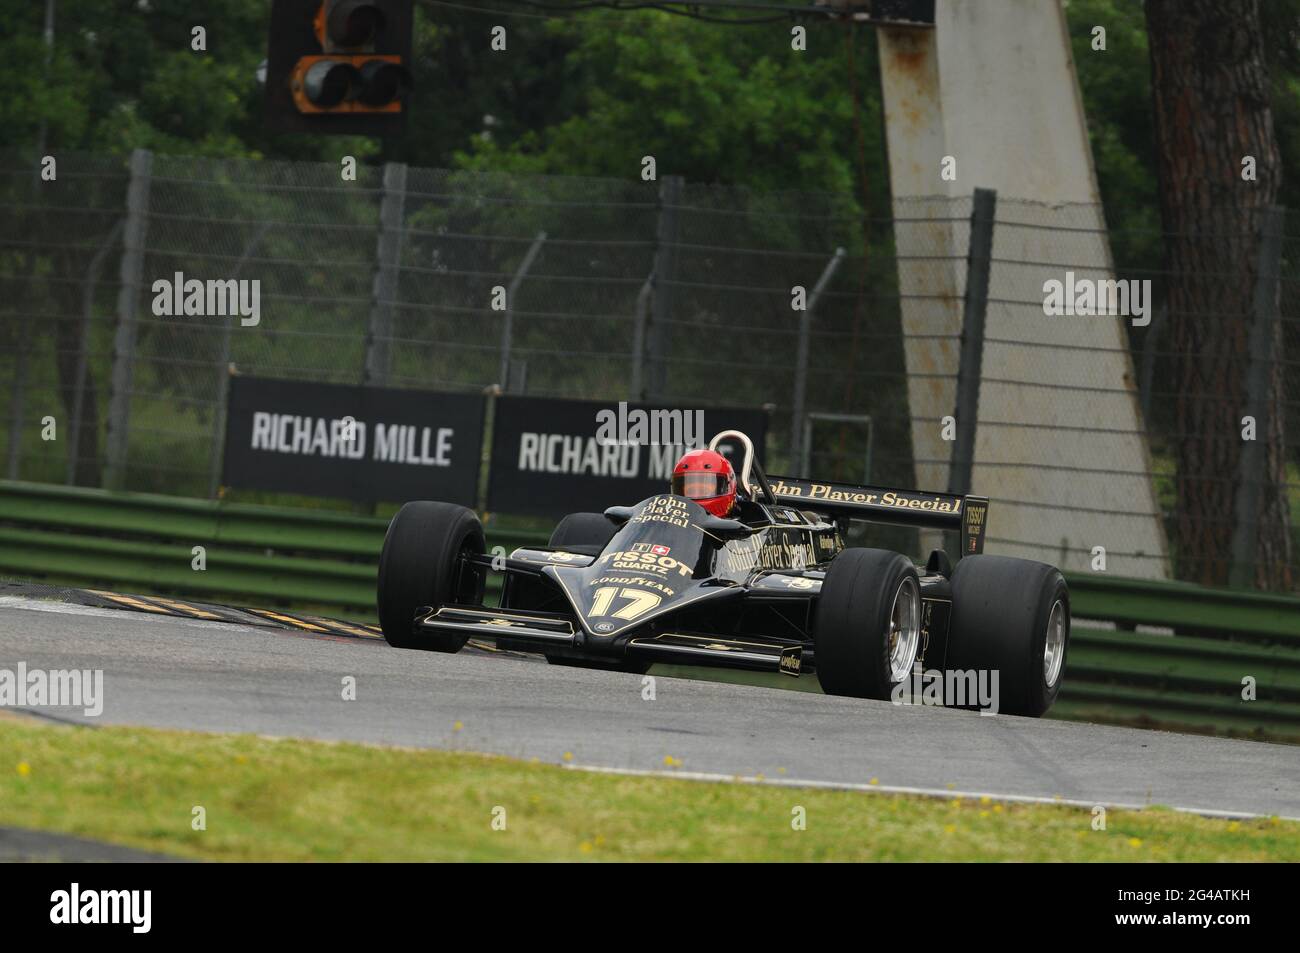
(633, 581)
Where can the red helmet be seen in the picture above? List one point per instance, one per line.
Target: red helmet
(707, 478)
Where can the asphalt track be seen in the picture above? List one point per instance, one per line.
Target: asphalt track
(219, 676)
(45, 847)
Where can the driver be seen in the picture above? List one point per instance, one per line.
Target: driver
(706, 477)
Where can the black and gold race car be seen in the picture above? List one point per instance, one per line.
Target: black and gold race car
(773, 588)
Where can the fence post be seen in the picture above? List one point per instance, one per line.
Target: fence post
(1251, 464)
(636, 390)
(670, 197)
(504, 377)
(798, 451)
(972, 339)
(1149, 343)
(83, 349)
(388, 259)
(132, 278)
(22, 356)
(223, 367)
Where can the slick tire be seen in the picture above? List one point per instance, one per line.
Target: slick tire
(420, 566)
(585, 533)
(1011, 616)
(867, 631)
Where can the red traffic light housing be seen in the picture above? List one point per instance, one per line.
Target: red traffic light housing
(339, 66)
(348, 24)
(349, 84)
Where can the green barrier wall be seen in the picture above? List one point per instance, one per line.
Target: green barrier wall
(272, 557)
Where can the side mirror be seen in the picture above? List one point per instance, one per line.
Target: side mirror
(618, 515)
(727, 529)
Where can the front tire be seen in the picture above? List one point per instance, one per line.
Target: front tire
(867, 632)
(1011, 616)
(585, 533)
(420, 566)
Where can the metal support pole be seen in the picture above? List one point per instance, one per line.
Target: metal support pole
(1252, 464)
(1149, 343)
(83, 348)
(132, 278)
(798, 452)
(388, 260)
(508, 328)
(42, 140)
(22, 354)
(670, 197)
(636, 392)
(978, 264)
(517, 377)
(223, 368)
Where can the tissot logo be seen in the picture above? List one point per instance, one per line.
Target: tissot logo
(76, 906)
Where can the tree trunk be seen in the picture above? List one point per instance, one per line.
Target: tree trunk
(1210, 94)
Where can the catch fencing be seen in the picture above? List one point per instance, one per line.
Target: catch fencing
(670, 291)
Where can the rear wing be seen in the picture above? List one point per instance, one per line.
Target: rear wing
(966, 514)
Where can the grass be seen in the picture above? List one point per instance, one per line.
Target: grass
(293, 800)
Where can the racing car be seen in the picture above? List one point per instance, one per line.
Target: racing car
(772, 587)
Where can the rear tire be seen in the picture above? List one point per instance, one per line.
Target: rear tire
(585, 533)
(867, 631)
(420, 566)
(1011, 616)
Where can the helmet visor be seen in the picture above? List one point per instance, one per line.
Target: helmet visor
(699, 484)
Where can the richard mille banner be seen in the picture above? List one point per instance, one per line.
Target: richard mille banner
(551, 456)
(357, 443)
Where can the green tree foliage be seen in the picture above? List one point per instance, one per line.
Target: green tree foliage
(586, 95)
(712, 103)
(123, 75)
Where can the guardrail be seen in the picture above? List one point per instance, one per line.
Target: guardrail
(268, 556)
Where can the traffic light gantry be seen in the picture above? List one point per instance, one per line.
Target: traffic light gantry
(339, 66)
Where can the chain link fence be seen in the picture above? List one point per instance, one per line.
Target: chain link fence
(604, 289)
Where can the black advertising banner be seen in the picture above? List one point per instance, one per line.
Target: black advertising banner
(551, 457)
(356, 443)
